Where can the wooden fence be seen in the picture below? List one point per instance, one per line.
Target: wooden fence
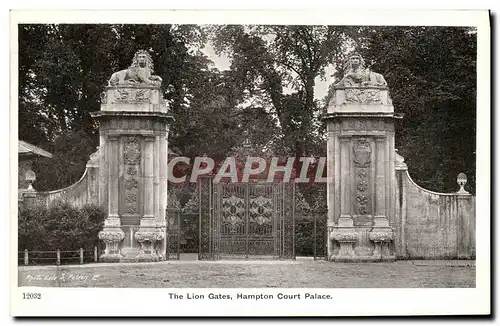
(38, 257)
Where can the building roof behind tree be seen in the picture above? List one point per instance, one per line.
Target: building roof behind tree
(27, 149)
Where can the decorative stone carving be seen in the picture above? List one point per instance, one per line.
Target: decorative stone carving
(140, 72)
(362, 124)
(142, 95)
(362, 201)
(112, 238)
(132, 151)
(400, 162)
(386, 236)
(345, 234)
(360, 90)
(94, 158)
(131, 157)
(362, 185)
(362, 160)
(151, 236)
(131, 196)
(362, 153)
(363, 96)
(382, 235)
(131, 95)
(356, 74)
(104, 97)
(148, 240)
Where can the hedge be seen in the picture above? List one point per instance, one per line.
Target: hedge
(61, 226)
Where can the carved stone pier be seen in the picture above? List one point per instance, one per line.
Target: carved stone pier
(361, 172)
(134, 122)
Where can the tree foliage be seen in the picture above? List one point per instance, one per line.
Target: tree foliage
(63, 69)
(280, 64)
(60, 226)
(431, 72)
(266, 97)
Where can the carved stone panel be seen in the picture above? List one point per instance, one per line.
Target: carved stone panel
(132, 95)
(362, 161)
(362, 96)
(361, 124)
(131, 158)
(132, 151)
(362, 153)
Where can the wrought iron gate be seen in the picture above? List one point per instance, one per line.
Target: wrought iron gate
(173, 233)
(246, 220)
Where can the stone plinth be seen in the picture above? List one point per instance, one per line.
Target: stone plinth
(345, 234)
(382, 237)
(112, 235)
(361, 172)
(134, 121)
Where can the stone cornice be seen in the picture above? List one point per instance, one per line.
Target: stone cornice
(336, 115)
(131, 114)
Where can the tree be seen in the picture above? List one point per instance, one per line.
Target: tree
(279, 65)
(431, 72)
(63, 69)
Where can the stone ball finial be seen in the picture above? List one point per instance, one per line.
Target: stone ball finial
(462, 180)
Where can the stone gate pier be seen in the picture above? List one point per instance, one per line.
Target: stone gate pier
(361, 167)
(133, 129)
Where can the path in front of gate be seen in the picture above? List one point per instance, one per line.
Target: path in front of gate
(301, 273)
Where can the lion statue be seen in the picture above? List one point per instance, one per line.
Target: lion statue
(355, 74)
(140, 72)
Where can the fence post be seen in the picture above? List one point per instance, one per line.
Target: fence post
(26, 261)
(81, 256)
(95, 254)
(58, 262)
(314, 235)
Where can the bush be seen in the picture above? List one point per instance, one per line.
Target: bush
(304, 237)
(61, 226)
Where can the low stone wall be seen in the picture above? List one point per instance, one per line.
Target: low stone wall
(84, 191)
(433, 225)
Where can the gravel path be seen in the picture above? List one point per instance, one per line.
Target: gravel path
(252, 274)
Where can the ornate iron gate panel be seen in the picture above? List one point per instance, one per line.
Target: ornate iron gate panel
(320, 234)
(207, 227)
(286, 220)
(246, 220)
(173, 236)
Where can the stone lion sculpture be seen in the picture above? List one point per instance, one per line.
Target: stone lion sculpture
(140, 72)
(356, 74)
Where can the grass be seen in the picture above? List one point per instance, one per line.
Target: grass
(252, 274)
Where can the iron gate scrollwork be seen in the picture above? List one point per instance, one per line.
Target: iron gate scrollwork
(173, 228)
(246, 220)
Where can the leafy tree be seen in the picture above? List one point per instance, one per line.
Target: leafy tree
(64, 68)
(279, 65)
(431, 72)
